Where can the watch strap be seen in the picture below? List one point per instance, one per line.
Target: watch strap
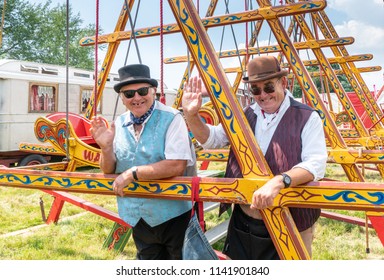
(286, 180)
(134, 173)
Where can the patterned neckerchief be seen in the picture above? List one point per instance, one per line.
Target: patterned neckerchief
(140, 120)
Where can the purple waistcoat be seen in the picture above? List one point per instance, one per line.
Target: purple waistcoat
(284, 152)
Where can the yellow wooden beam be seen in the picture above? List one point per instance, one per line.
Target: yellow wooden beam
(234, 18)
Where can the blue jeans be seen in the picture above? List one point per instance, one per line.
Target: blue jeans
(196, 245)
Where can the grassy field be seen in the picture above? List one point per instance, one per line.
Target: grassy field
(79, 235)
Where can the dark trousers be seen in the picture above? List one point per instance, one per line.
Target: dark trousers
(248, 238)
(162, 242)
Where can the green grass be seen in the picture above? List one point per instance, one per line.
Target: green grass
(336, 240)
(79, 235)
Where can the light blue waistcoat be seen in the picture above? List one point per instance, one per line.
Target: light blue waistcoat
(149, 149)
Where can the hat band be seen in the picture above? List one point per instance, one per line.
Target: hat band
(135, 78)
(262, 75)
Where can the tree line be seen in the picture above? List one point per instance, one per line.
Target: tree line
(38, 33)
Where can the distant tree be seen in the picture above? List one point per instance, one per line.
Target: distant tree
(37, 32)
(319, 82)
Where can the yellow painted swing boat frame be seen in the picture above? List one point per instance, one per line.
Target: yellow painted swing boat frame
(355, 195)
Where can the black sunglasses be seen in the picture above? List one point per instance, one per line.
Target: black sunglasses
(130, 93)
(268, 88)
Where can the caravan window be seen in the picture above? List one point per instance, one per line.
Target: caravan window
(86, 94)
(42, 98)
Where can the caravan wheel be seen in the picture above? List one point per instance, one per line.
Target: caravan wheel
(32, 160)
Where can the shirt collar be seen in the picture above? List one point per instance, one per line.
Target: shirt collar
(283, 107)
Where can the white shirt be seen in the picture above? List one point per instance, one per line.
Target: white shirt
(314, 150)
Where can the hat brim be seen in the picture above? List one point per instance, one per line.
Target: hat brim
(119, 85)
(265, 77)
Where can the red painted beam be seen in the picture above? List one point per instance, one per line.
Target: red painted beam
(61, 197)
(345, 218)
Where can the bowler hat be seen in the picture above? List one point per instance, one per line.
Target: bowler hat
(134, 74)
(263, 68)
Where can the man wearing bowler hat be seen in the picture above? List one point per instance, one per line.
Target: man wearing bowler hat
(148, 142)
(291, 137)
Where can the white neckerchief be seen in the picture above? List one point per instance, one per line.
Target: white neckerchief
(268, 119)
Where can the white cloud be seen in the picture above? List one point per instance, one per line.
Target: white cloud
(366, 36)
(370, 12)
(364, 21)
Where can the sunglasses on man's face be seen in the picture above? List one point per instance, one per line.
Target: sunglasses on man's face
(130, 93)
(269, 87)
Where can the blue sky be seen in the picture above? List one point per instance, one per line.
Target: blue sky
(363, 20)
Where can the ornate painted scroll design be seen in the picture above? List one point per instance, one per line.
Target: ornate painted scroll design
(349, 133)
(356, 156)
(214, 155)
(156, 188)
(39, 149)
(55, 133)
(65, 183)
(326, 194)
(119, 236)
(205, 64)
(268, 49)
(280, 222)
(231, 188)
(376, 198)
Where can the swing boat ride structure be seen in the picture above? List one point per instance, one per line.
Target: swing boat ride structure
(347, 147)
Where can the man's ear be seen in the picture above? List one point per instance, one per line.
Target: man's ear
(284, 81)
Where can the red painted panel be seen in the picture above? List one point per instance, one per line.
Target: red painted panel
(360, 109)
(378, 224)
